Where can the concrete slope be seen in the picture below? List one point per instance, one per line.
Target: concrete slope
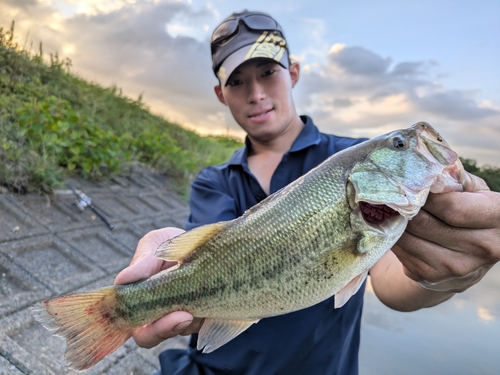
(48, 248)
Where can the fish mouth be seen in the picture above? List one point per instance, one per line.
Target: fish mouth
(376, 213)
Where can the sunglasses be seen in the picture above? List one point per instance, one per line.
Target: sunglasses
(253, 21)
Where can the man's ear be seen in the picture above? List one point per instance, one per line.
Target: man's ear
(220, 95)
(294, 72)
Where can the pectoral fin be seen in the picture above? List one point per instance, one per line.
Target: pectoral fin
(215, 333)
(178, 248)
(344, 294)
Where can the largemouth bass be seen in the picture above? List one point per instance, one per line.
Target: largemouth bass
(314, 238)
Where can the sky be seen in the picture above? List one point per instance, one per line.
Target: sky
(367, 67)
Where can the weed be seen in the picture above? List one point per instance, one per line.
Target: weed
(54, 124)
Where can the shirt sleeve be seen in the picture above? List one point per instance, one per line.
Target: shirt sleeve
(209, 201)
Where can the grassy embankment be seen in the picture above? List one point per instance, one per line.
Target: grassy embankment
(54, 124)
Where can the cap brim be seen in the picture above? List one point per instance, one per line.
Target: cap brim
(257, 50)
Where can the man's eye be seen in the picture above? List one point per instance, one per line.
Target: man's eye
(234, 82)
(268, 73)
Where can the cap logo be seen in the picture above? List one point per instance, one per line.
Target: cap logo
(268, 46)
(222, 72)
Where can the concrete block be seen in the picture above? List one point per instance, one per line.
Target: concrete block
(7, 368)
(52, 262)
(58, 212)
(132, 364)
(149, 204)
(15, 222)
(128, 234)
(100, 246)
(20, 344)
(18, 289)
(34, 350)
(168, 221)
(116, 207)
(147, 225)
(174, 201)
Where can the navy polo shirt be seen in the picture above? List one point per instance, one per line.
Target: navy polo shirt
(317, 340)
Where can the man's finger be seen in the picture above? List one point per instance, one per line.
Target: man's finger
(141, 270)
(164, 328)
(150, 242)
(433, 230)
(474, 183)
(479, 210)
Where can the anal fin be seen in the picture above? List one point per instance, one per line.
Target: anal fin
(216, 332)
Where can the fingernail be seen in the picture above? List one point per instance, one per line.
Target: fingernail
(181, 326)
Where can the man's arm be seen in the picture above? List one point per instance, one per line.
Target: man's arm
(449, 246)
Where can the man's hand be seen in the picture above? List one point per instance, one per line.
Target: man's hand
(454, 240)
(144, 264)
(448, 247)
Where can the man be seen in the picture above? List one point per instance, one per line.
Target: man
(448, 247)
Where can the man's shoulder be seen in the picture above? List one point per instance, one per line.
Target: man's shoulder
(335, 143)
(328, 142)
(220, 172)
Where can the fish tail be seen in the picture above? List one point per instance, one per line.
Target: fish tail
(89, 322)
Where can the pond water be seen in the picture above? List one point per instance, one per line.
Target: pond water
(460, 336)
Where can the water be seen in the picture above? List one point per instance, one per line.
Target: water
(460, 336)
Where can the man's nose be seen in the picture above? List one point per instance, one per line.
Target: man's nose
(255, 92)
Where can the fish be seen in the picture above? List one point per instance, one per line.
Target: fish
(315, 238)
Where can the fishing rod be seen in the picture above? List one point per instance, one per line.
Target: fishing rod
(85, 201)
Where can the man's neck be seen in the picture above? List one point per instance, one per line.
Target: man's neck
(280, 144)
(264, 157)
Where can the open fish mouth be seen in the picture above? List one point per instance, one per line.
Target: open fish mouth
(376, 213)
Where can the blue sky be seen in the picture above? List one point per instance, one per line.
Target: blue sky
(367, 66)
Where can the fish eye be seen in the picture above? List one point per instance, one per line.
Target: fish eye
(399, 143)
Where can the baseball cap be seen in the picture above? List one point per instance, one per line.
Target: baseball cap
(244, 36)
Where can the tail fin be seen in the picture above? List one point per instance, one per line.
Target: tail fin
(89, 322)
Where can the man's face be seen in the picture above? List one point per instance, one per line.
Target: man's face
(259, 95)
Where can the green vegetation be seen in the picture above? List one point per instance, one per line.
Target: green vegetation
(490, 174)
(54, 124)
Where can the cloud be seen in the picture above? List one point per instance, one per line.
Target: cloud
(454, 104)
(20, 3)
(357, 92)
(357, 60)
(409, 69)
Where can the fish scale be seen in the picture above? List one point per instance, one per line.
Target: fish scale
(299, 246)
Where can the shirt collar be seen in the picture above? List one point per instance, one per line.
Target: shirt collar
(309, 136)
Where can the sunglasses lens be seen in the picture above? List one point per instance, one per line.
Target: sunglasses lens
(256, 22)
(260, 22)
(224, 30)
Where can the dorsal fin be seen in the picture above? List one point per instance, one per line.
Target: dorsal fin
(178, 248)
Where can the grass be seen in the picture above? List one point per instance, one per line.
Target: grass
(54, 124)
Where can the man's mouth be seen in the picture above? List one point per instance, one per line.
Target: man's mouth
(261, 114)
